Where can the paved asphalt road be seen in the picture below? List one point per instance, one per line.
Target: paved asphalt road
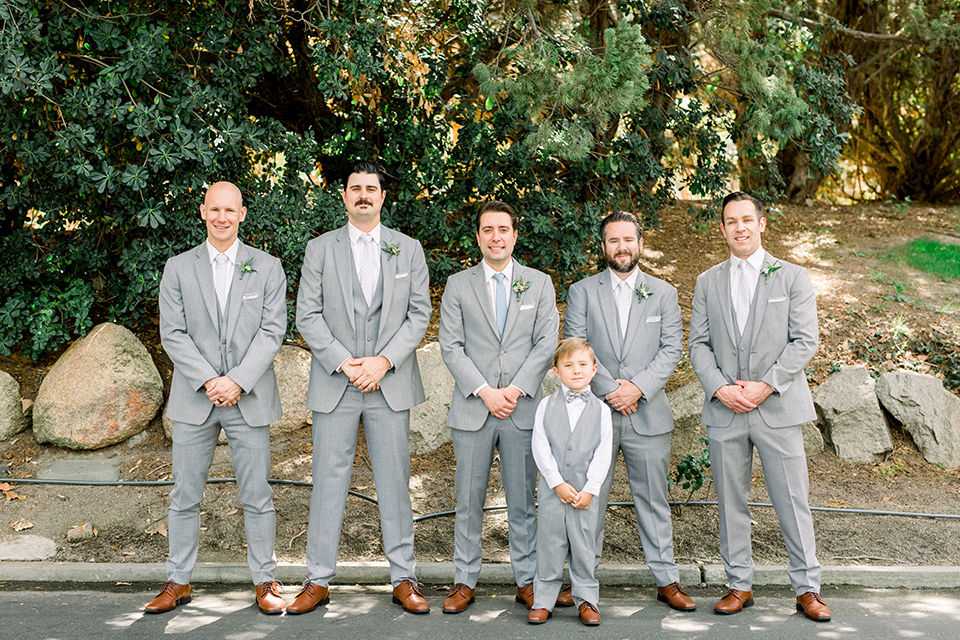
(46, 612)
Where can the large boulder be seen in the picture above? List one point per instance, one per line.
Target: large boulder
(853, 423)
(292, 367)
(928, 412)
(13, 419)
(428, 420)
(102, 390)
(686, 403)
(812, 439)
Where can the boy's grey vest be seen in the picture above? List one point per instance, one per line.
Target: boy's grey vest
(572, 451)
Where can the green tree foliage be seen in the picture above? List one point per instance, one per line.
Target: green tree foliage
(114, 115)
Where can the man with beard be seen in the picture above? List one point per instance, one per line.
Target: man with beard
(632, 320)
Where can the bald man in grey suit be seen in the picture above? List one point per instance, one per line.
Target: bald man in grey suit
(363, 307)
(753, 329)
(223, 315)
(632, 320)
(498, 332)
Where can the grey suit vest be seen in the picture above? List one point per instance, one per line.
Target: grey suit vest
(222, 333)
(572, 451)
(366, 318)
(745, 342)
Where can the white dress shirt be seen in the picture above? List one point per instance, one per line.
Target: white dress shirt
(543, 456)
(231, 254)
(355, 246)
(753, 265)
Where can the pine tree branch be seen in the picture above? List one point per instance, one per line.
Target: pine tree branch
(852, 33)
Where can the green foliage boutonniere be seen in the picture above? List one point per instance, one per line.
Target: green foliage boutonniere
(769, 269)
(391, 249)
(643, 292)
(519, 286)
(246, 267)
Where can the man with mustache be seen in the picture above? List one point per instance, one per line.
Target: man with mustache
(363, 307)
(632, 320)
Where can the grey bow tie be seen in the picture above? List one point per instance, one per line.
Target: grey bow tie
(583, 394)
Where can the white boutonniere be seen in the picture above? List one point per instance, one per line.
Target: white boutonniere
(519, 286)
(246, 267)
(769, 269)
(643, 292)
(391, 249)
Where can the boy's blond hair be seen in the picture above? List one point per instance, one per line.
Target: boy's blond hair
(570, 346)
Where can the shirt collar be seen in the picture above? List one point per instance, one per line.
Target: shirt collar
(755, 261)
(631, 279)
(231, 252)
(489, 272)
(355, 234)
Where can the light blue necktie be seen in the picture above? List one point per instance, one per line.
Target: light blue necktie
(743, 297)
(501, 302)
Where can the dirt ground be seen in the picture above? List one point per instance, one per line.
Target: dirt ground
(872, 310)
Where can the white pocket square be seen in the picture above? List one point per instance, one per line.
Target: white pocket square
(777, 300)
(401, 275)
(250, 296)
(524, 307)
(653, 319)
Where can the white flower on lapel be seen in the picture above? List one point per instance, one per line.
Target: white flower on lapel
(391, 249)
(643, 292)
(246, 267)
(769, 269)
(519, 286)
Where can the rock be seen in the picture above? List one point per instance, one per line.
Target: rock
(292, 366)
(80, 532)
(22, 548)
(853, 424)
(928, 412)
(13, 417)
(102, 390)
(686, 403)
(428, 420)
(812, 439)
(550, 383)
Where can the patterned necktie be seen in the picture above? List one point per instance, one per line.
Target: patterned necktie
(221, 271)
(368, 267)
(583, 394)
(743, 297)
(501, 298)
(623, 306)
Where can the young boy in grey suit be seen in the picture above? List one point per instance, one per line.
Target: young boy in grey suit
(572, 445)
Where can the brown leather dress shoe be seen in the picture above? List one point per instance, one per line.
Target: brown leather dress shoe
(589, 614)
(173, 594)
(565, 599)
(310, 597)
(734, 602)
(407, 594)
(268, 597)
(813, 607)
(525, 595)
(675, 597)
(458, 599)
(538, 616)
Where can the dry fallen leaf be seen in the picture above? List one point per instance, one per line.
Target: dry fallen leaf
(129, 553)
(13, 495)
(4, 486)
(160, 528)
(21, 525)
(230, 513)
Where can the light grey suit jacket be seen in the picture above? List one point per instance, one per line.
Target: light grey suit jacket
(650, 351)
(189, 331)
(325, 317)
(475, 354)
(784, 339)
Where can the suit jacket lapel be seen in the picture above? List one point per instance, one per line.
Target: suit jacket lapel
(343, 262)
(726, 304)
(608, 309)
(513, 304)
(760, 301)
(237, 287)
(483, 297)
(638, 312)
(388, 273)
(204, 273)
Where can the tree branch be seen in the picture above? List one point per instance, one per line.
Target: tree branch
(852, 33)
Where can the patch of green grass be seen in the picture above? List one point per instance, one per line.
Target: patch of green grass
(935, 258)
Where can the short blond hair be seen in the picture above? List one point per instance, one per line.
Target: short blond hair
(570, 346)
